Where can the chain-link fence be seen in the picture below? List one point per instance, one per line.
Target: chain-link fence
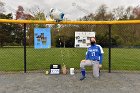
(121, 45)
(125, 55)
(11, 47)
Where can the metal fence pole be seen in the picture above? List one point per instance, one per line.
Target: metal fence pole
(109, 56)
(24, 48)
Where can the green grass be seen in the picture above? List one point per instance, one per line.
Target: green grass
(126, 59)
(11, 59)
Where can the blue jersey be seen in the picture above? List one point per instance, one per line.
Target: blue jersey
(95, 52)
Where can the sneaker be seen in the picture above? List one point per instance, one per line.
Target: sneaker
(82, 78)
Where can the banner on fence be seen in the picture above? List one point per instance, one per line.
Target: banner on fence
(42, 38)
(82, 39)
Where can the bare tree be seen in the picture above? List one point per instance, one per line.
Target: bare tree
(129, 13)
(1, 7)
(118, 12)
(136, 12)
(37, 12)
(101, 13)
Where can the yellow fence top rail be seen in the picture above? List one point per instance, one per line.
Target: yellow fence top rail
(69, 22)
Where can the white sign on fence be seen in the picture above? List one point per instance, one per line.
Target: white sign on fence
(82, 39)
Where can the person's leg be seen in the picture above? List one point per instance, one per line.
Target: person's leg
(82, 66)
(96, 69)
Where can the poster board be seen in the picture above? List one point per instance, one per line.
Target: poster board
(82, 39)
(42, 38)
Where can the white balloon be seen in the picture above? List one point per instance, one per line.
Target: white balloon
(56, 14)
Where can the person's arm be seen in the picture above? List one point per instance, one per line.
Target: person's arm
(87, 55)
(101, 56)
(101, 59)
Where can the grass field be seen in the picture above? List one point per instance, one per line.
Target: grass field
(11, 59)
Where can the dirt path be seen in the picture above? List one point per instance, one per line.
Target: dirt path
(41, 83)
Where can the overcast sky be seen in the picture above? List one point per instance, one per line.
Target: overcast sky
(73, 9)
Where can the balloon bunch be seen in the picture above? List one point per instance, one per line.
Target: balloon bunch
(56, 15)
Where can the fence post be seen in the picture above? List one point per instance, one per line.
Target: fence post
(109, 56)
(24, 47)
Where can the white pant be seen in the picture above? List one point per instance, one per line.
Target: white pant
(94, 64)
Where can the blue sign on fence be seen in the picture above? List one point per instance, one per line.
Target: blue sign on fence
(42, 38)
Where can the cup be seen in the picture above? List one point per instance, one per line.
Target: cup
(47, 72)
(71, 71)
